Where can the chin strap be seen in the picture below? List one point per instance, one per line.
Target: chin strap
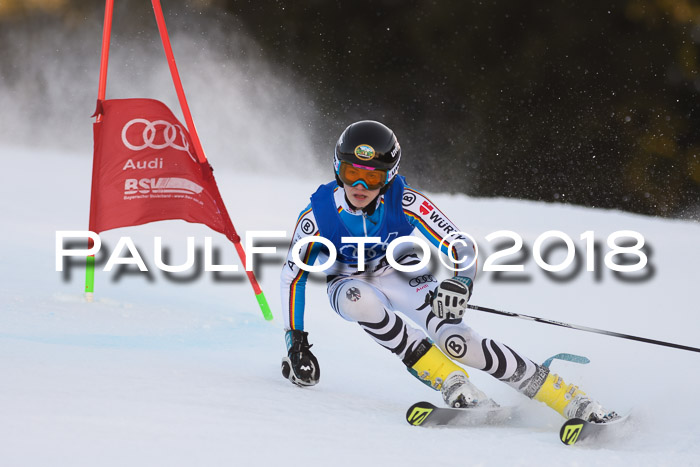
(386, 187)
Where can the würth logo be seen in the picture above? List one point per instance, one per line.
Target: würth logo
(425, 208)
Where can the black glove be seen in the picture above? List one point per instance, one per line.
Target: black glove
(300, 366)
(450, 298)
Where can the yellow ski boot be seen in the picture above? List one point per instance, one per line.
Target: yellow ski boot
(570, 401)
(432, 367)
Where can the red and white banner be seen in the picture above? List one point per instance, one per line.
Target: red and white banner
(146, 169)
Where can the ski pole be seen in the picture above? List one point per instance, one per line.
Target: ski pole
(583, 328)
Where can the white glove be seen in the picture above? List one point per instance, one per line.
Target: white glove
(450, 297)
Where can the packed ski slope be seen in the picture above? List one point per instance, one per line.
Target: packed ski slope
(158, 372)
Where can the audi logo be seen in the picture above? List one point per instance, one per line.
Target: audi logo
(424, 279)
(172, 135)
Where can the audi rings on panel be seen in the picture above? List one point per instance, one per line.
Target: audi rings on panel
(150, 130)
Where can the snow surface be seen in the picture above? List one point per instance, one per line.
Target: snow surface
(164, 373)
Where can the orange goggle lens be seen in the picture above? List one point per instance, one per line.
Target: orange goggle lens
(353, 174)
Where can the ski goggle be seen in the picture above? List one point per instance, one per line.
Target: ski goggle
(355, 174)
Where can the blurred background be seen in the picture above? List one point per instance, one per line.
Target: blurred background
(592, 103)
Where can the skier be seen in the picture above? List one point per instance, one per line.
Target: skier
(369, 199)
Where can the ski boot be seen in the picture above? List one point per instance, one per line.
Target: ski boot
(432, 367)
(457, 391)
(571, 402)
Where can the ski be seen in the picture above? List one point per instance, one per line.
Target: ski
(576, 430)
(426, 414)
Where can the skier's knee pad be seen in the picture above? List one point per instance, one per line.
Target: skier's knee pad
(457, 342)
(357, 301)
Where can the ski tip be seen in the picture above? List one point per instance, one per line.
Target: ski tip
(418, 412)
(571, 430)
